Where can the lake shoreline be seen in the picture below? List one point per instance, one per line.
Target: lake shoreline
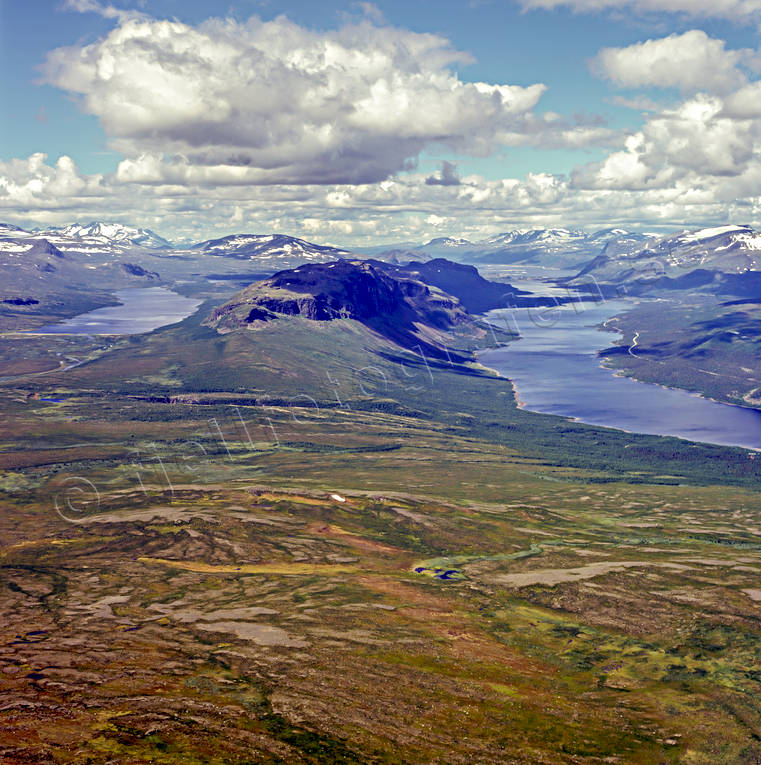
(555, 370)
(138, 310)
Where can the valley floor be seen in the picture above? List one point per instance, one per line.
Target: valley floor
(208, 558)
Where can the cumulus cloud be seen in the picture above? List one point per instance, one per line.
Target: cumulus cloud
(692, 62)
(696, 140)
(705, 150)
(447, 177)
(275, 103)
(728, 9)
(36, 191)
(33, 183)
(744, 103)
(272, 127)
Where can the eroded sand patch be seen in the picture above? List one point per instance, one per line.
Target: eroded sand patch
(553, 576)
(413, 516)
(526, 530)
(590, 553)
(147, 515)
(193, 615)
(261, 634)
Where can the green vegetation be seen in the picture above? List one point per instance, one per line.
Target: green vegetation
(208, 547)
(697, 343)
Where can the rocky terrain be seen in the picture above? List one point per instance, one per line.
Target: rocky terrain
(476, 294)
(399, 307)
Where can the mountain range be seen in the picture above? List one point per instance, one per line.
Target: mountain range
(100, 256)
(553, 247)
(270, 249)
(720, 260)
(556, 248)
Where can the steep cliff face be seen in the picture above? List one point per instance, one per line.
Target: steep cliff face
(399, 307)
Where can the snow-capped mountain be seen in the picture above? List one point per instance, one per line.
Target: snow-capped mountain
(271, 251)
(8, 229)
(734, 248)
(552, 237)
(448, 241)
(722, 256)
(98, 232)
(555, 247)
(35, 271)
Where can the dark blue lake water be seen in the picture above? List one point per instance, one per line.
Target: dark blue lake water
(140, 310)
(556, 370)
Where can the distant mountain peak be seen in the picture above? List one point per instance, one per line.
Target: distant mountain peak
(448, 241)
(271, 249)
(111, 233)
(719, 259)
(8, 228)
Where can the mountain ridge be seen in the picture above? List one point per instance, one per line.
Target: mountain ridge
(722, 259)
(399, 307)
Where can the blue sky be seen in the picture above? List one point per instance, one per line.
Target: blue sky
(650, 134)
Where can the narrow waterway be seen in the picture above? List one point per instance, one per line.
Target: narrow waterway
(556, 370)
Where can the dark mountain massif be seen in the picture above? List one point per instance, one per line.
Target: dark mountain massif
(476, 293)
(399, 307)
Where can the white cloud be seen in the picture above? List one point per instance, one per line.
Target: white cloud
(271, 102)
(728, 9)
(745, 103)
(695, 141)
(692, 62)
(33, 183)
(35, 192)
(308, 134)
(107, 11)
(372, 12)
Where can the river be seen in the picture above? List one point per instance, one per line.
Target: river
(556, 370)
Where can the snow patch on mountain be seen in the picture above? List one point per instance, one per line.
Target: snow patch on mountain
(99, 232)
(271, 249)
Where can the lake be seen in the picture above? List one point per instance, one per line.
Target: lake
(140, 310)
(556, 370)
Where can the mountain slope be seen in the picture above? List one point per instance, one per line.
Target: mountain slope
(39, 281)
(463, 281)
(399, 307)
(722, 260)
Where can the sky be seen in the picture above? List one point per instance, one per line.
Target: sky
(358, 123)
